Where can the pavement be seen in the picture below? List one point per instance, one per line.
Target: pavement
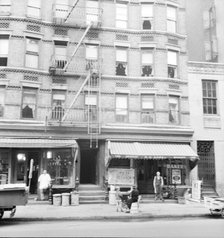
(40, 211)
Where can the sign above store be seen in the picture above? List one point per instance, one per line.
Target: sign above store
(121, 177)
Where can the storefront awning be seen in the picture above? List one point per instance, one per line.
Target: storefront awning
(140, 150)
(36, 143)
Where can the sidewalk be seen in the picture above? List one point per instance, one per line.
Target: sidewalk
(45, 211)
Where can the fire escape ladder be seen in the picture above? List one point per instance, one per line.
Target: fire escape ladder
(76, 96)
(77, 46)
(94, 109)
(71, 10)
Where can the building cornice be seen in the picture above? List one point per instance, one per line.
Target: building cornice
(205, 68)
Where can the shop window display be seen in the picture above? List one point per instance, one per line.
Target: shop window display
(60, 167)
(4, 167)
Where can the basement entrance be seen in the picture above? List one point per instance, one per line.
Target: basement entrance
(88, 166)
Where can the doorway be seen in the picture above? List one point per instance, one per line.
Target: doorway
(22, 168)
(88, 166)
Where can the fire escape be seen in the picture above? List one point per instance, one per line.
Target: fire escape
(89, 83)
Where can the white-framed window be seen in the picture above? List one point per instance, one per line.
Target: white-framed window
(121, 62)
(92, 52)
(60, 53)
(2, 101)
(171, 19)
(172, 63)
(147, 16)
(5, 7)
(148, 112)
(29, 103)
(92, 11)
(32, 53)
(4, 49)
(121, 108)
(121, 15)
(174, 109)
(58, 104)
(33, 8)
(147, 63)
(209, 90)
(61, 9)
(91, 107)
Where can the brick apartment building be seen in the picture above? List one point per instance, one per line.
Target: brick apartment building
(90, 85)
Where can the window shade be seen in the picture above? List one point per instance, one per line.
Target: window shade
(171, 13)
(4, 46)
(147, 10)
(172, 57)
(32, 45)
(91, 100)
(147, 103)
(34, 3)
(121, 12)
(147, 58)
(91, 52)
(121, 55)
(121, 102)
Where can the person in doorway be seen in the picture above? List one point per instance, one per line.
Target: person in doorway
(158, 186)
(44, 184)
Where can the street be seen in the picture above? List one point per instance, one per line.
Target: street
(206, 227)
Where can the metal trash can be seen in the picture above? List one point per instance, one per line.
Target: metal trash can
(65, 199)
(74, 198)
(57, 199)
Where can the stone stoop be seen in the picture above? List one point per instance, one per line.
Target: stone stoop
(91, 194)
(208, 191)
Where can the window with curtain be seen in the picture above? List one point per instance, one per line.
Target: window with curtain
(58, 104)
(5, 7)
(121, 62)
(121, 16)
(171, 19)
(92, 11)
(147, 16)
(29, 103)
(32, 53)
(172, 64)
(209, 96)
(174, 109)
(33, 8)
(61, 9)
(147, 63)
(91, 107)
(60, 54)
(4, 48)
(147, 113)
(121, 109)
(2, 101)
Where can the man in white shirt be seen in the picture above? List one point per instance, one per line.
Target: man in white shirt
(44, 183)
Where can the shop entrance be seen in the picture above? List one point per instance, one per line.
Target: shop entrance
(146, 170)
(88, 166)
(22, 168)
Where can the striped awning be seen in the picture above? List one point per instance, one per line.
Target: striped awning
(144, 150)
(36, 143)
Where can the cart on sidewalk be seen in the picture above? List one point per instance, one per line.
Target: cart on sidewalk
(215, 205)
(12, 195)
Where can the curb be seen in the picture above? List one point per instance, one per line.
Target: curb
(107, 218)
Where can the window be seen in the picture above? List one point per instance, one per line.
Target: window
(209, 97)
(174, 109)
(91, 57)
(61, 9)
(32, 53)
(147, 63)
(33, 9)
(4, 167)
(147, 114)
(4, 48)
(5, 6)
(58, 105)
(121, 16)
(29, 103)
(121, 108)
(147, 16)
(172, 64)
(121, 62)
(92, 11)
(60, 54)
(2, 101)
(91, 107)
(171, 19)
(60, 166)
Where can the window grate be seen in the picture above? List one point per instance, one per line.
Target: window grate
(3, 76)
(122, 84)
(61, 32)
(93, 35)
(33, 28)
(173, 41)
(147, 85)
(30, 78)
(59, 80)
(147, 38)
(174, 86)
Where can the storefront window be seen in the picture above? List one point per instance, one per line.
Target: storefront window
(4, 167)
(120, 163)
(60, 166)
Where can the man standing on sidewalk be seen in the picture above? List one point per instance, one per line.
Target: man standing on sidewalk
(158, 186)
(44, 183)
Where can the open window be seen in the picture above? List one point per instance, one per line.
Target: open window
(58, 104)
(147, 63)
(121, 15)
(171, 19)
(174, 109)
(91, 107)
(4, 49)
(60, 54)
(147, 16)
(121, 109)
(92, 11)
(29, 103)
(147, 113)
(32, 53)
(33, 8)
(5, 7)
(172, 64)
(121, 62)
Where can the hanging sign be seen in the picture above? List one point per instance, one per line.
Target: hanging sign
(121, 176)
